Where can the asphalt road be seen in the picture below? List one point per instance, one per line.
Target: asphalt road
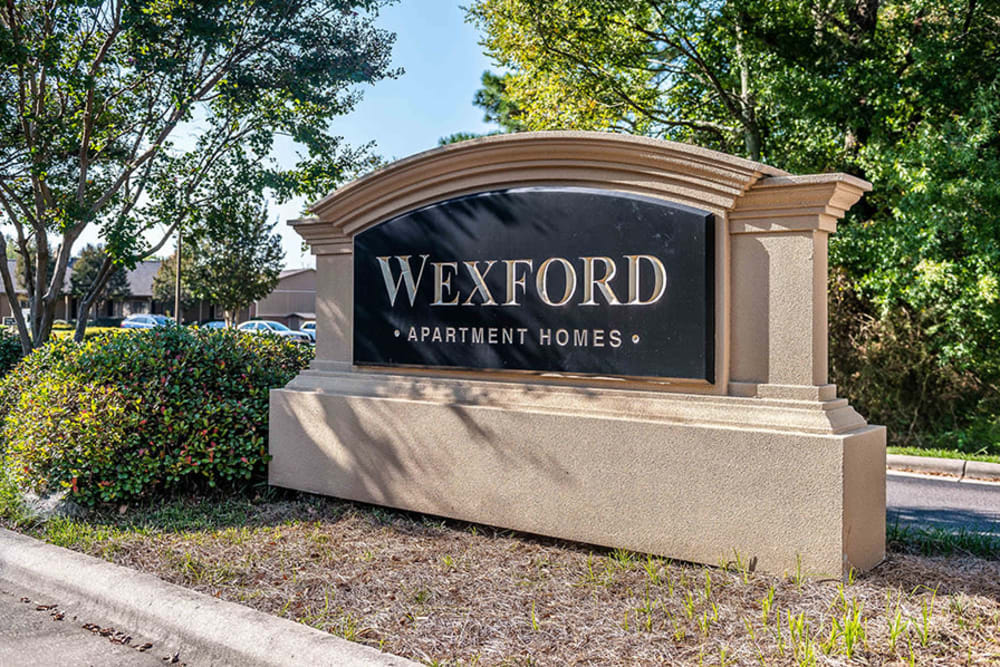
(942, 502)
(35, 630)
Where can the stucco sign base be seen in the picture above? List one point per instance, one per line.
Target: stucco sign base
(698, 478)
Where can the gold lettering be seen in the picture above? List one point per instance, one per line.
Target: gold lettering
(480, 283)
(513, 282)
(442, 283)
(405, 277)
(659, 279)
(602, 283)
(542, 286)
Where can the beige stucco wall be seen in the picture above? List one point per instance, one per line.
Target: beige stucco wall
(295, 293)
(766, 461)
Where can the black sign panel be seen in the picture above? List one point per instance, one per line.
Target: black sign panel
(546, 279)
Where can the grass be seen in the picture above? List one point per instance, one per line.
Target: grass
(945, 454)
(446, 592)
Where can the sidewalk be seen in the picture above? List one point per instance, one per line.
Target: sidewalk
(211, 631)
(978, 470)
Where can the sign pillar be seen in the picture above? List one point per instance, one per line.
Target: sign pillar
(333, 303)
(779, 233)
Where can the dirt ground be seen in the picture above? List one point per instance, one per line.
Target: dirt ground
(445, 592)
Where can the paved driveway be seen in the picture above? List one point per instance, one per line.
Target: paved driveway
(942, 502)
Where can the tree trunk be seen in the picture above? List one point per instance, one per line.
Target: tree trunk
(82, 313)
(103, 275)
(15, 307)
(748, 111)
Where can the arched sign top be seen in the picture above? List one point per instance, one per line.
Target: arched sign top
(680, 173)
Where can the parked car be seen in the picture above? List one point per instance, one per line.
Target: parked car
(146, 322)
(209, 324)
(309, 328)
(272, 327)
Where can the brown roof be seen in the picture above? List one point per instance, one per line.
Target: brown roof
(140, 279)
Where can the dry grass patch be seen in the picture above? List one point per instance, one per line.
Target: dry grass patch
(445, 592)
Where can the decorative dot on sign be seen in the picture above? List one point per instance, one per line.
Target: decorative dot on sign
(396, 333)
(635, 338)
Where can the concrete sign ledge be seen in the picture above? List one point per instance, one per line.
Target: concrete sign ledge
(953, 467)
(214, 631)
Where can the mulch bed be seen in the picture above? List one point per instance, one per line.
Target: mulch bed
(446, 592)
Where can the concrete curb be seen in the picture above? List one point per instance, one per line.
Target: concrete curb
(214, 631)
(954, 467)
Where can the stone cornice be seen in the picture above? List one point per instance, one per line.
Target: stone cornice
(796, 203)
(679, 172)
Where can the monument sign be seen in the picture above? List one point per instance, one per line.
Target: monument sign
(603, 338)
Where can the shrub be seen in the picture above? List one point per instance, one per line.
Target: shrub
(88, 333)
(121, 417)
(890, 367)
(10, 350)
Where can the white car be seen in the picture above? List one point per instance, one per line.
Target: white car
(276, 328)
(309, 328)
(146, 322)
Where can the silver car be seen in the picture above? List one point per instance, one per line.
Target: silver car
(276, 328)
(146, 322)
(309, 328)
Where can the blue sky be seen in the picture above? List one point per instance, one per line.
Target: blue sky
(432, 99)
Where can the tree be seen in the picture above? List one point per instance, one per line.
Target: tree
(116, 110)
(85, 269)
(900, 93)
(165, 282)
(669, 69)
(236, 259)
(500, 109)
(462, 136)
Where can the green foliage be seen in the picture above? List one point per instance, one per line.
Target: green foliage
(89, 332)
(143, 413)
(499, 107)
(236, 257)
(10, 350)
(85, 270)
(462, 136)
(165, 281)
